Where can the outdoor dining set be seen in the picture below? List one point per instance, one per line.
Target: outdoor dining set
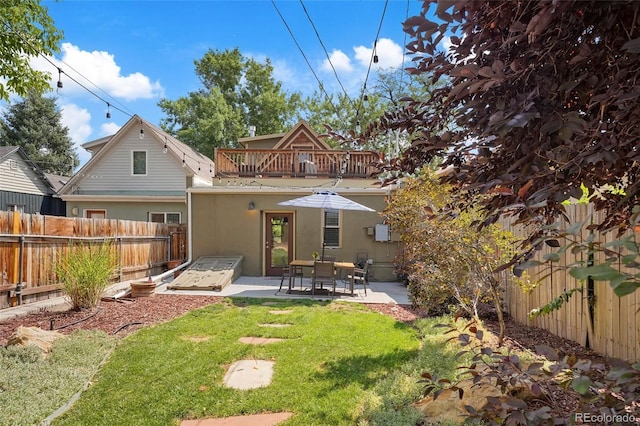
(325, 271)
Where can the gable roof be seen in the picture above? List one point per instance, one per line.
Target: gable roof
(301, 133)
(195, 163)
(6, 151)
(56, 181)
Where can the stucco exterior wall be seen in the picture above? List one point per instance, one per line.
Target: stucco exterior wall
(222, 225)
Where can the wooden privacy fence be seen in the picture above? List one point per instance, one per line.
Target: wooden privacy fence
(30, 245)
(596, 317)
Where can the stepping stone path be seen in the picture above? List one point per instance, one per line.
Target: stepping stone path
(197, 339)
(259, 340)
(249, 374)
(254, 420)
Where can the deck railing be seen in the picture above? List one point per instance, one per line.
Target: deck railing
(294, 163)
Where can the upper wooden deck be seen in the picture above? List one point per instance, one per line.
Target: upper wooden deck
(295, 163)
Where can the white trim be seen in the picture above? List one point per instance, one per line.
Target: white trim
(125, 198)
(164, 214)
(146, 162)
(325, 227)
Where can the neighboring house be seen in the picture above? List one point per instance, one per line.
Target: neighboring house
(141, 173)
(240, 216)
(24, 187)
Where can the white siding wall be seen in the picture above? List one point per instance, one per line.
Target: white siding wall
(21, 179)
(115, 172)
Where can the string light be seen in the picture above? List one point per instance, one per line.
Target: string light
(375, 52)
(59, 79)
(177, 147)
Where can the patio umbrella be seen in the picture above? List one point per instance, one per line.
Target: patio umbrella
(328, 200)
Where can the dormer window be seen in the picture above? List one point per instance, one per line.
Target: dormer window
(139, 163)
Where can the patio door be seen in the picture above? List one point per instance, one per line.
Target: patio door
(278, 242)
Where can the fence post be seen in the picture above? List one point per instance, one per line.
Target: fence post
(120, 239)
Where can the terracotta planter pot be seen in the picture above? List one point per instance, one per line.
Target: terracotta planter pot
(142, 289)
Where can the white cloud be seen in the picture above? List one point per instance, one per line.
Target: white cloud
(101, 70)
(108, 129)
(389, 54)
(340, 61)
(282, 71)
(77, 119)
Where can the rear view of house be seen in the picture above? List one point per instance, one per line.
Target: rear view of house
(141, 173)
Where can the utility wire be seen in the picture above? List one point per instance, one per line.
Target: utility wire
(60, 71)
(373, 52)
(306, 60)
(326, 53)
(99, 88)
(404, 46)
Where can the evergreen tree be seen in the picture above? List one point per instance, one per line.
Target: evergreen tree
(34, 123)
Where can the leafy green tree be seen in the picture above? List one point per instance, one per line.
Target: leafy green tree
(445, 258)
(34, 123)
(342, 114)
(26, 31)
(344, 117)
(237, 92)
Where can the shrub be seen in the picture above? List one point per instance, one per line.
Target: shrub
(85, 273)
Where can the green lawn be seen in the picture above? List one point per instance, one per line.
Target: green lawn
(333, 355)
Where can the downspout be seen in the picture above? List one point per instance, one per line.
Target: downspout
(159, 278)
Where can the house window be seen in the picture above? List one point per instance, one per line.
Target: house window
(139, 160)
(172, 218)
(15, 208)
(96, 214)
(331, 227)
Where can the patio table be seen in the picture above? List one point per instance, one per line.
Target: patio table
(344, 266)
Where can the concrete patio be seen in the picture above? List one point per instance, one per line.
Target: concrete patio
(267, 287)
(263, 287)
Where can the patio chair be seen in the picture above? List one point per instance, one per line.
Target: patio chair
(359, 276)
(323, 273)
(289, 274)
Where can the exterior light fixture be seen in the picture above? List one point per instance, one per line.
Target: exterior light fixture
(59, 78)
(141, 133)
(108, 112)
(252, 205)
(164, 149)
(375, 52)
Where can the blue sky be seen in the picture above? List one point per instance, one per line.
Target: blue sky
(134, 53)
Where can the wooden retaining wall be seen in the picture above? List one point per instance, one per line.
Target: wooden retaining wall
(30, 245)
(595, 318)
